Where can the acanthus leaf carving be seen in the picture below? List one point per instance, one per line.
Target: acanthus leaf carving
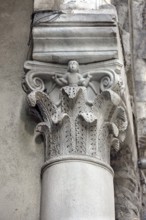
(113, 129)
(115, 144)
(42, 101)
(59, 117)
(76, 125)
(71, 92)
(88, 117)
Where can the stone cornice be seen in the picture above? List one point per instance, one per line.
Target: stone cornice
(59, 37)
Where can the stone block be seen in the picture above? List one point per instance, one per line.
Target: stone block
(68, 4)
(140, 91)
(86, 38)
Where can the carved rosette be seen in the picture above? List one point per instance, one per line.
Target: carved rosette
(72, 124)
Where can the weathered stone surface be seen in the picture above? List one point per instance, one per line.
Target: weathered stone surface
(20, 156)
(40, 99)
(87, 38)
(140, 87)
(140, 67)
(139, 53)
(78, 131)
(127, 195)
(141, 110)
(128, 204)
(36, 98)
(142, 135)
(123, 19)
(74, 120)
(138, 9)
(83, 117)
(68, 4)
(139, 35)
(141, 44)
(81, 183)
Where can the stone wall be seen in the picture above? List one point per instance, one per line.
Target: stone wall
(20, 156)
(139, 58)
(127, 174)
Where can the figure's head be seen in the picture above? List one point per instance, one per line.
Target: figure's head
(73, 66)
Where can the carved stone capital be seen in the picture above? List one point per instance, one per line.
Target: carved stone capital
(80, 108)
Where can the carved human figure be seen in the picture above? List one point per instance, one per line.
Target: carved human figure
(72, 77)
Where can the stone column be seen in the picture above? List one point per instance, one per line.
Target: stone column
(74, 86)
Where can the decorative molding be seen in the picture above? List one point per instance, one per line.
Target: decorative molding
(60, 37)
(77, 158)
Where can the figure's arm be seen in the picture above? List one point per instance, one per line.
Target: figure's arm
(60, 80)
(85, 81)
(81, 80)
